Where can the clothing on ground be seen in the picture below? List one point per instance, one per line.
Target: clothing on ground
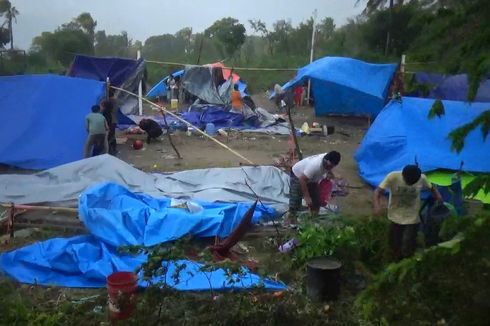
(236, 100)
(96, 123)
(404, 202)
(311, 167)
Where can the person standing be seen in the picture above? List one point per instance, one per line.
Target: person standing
(109, 113)
(298, 93)
(236, 99)
(96, 126)
(403, 207)
(305, 178)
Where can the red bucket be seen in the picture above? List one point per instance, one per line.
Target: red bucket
(121, 289)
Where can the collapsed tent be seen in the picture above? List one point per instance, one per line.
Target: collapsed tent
(63, 184)
(402, 134)
(116, 217)
(218, 69)
(346, 86)
(447, 87)
(43, 119)
(123, 73)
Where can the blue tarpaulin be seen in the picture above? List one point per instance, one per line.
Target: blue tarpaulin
(116, 217)
(117, 69)
(449, 87)
(43, 119)
(402, 133)
(160, 88)
(119, 217)
(346, 86)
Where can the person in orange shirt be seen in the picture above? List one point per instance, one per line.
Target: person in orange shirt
(236, 99)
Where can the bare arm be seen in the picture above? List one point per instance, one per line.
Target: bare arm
(435, 193)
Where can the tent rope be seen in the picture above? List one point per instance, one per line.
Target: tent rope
(166, 63)
(187, 123)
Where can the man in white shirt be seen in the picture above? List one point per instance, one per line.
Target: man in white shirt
(403, 206)
(305, 178)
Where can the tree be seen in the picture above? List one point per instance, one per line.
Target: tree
(87, 23)
(112, 45)
(10, 14)
(260, 27)
(61, 45)
(229, 33)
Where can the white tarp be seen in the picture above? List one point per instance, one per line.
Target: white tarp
(63, 184)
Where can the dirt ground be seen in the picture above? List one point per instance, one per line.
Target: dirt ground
(262, 149)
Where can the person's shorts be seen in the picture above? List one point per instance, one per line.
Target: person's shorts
(296, 194)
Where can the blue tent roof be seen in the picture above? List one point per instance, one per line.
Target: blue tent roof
(117, 69)
(447, 87)
(346, 86)
(403, 132)
(43, 119)
(160, 88)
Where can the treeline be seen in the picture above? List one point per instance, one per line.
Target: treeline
(437, 35)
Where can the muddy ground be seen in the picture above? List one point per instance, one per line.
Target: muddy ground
(262, 149)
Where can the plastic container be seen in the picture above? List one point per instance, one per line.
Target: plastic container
(288, 246)
(174, 104)
(121, 290)
(210, 129)
(323, 278)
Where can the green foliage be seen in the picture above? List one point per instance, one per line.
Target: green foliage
(318, 240)
(446, 284)
(229, 33)
(458, 135)
(437, 109)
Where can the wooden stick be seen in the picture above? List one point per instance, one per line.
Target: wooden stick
(41, 208)
(169, 136)
(187, 123)
(293, 133)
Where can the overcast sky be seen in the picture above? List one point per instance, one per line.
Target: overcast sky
(144, 18)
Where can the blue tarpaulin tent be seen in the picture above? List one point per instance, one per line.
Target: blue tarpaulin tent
(117, 69)
(43, 119)
(160, 88)
(117, 217)
(402, 133)
(345, 85)
(449, 87)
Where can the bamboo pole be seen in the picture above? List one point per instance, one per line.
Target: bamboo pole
(235, 68)
(188, 124)
(40, 208)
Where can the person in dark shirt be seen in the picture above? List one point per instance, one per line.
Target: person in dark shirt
(152, 129)
(108, 111)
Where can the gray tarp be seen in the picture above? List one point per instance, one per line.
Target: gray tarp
(202, 82)
(63, 184)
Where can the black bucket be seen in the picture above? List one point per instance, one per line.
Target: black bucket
(323, 278)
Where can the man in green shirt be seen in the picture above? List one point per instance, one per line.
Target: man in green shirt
(404, 206)
(97, 128)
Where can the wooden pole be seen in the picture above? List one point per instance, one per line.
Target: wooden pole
(169, 136)
(188, 124)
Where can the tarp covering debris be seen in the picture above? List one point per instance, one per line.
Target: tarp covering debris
(448, 87)
(346, 86)
(402, 133)
(62, 185)
(117, 217)
(43, 119)
(259, 121)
